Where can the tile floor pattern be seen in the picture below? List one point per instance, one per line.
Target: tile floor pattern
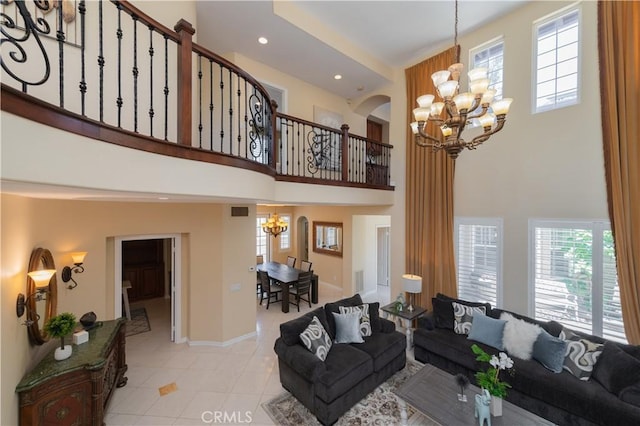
(236, 379)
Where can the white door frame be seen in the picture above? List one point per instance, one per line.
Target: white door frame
(176, 283)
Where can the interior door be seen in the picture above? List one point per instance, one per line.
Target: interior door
(384, 257)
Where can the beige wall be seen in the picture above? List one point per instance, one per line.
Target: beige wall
(217, 253)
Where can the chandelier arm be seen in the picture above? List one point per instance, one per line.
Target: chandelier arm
(485, 108)
(427, 136)
(436, 120)
(488, 132)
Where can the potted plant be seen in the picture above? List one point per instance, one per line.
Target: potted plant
(490, 379)
(60, 326)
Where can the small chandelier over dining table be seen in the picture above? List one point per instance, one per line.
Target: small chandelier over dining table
(274, 225)
(460, 109)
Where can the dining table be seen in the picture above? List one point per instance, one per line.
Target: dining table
(285, 275)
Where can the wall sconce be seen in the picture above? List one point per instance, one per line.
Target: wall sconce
(78, 260)
(41, 279)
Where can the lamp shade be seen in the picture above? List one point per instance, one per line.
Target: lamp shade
(78, 256)
(42, 277)
(412, 283)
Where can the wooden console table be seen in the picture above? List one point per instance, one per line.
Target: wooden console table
(76, 390)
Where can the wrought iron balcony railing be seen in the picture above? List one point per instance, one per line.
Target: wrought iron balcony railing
(109, 71)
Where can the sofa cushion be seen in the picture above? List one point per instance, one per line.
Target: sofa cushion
(354, 300)
(443, 309)
(383, 348)
(374, 317)
(463, 316)
(488, 331)
(345, 366)
(316, 339)
(519, 336)
(581, 354)
(549, 351)
(348, 327)
(552, 327)
(290, 331)
(363, 316)
(615, 369)
(631, 395)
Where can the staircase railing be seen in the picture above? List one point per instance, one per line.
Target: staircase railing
(134, 82)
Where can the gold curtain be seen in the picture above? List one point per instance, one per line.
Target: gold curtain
(429, 196)
(618, 38)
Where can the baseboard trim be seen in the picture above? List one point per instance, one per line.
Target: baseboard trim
(222, 344)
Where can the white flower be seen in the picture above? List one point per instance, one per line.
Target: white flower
(504, 362)
(494, 361)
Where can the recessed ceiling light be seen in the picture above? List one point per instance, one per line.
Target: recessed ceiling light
(263, 40)
(337, 77)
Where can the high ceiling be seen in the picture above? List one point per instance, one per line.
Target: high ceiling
(361, 40)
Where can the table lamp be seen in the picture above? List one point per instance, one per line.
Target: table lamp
(412, 284)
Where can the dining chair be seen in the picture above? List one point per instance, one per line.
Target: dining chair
(305, 266)
(267, 288)
(259, 261)
(291, 261)
(300, 288)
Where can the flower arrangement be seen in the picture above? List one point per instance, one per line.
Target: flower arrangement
(490, 379)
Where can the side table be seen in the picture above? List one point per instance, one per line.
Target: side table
(405, 317)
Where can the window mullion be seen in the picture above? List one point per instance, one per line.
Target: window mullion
(597, 301)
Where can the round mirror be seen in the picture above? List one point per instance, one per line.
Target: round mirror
(41, 302)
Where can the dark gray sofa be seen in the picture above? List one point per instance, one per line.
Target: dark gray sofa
(350, 371)
(558, 397)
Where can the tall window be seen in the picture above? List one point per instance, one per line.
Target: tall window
(557, 47)
(490, 55)
(262, 238)
(478, 247)
(573, 276)
(285, 237)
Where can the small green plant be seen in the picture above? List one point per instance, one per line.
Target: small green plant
(490, 379)
(60, 326)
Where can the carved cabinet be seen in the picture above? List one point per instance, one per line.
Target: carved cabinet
(76, 391)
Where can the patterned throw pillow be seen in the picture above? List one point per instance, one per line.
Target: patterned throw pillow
(581, 354)
(316, 339)
(363, 311)
(463, 317)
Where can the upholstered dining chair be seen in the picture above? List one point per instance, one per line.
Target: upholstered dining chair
(300, 288)
(268, 289)
(259, 261)
(305, 266)
(291, 261)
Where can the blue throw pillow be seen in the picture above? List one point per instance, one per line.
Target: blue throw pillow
(487, 330)
(348, 328)
(549, 351)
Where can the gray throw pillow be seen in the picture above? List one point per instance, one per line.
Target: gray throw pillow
(487, 330)
(316, 339)
(581, 354)
(616, 369)
(463, 316)
(348, 328)
(549, 351)
(363, 312)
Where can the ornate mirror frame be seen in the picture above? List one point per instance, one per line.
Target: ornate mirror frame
(41, 258)
(327, 238)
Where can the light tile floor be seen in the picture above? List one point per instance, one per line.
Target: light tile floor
(210, 381)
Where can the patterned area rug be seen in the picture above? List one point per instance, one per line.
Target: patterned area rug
(139, 322)
(380, 407)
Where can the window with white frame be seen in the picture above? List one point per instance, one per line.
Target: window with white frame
(285, 237)
(557, 60)
(478, 250)
(490, 55)
(573, 276)
(262, 238)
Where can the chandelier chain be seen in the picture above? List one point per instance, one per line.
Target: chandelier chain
(455, 34)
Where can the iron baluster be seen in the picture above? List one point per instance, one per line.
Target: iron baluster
(119, 36)
(151, 51)
(239, 137)
(221, 109)
(82, 8)
(211, 103)
(166, 87)
(101, 60)
(200, 100)
(246, 117)
(230, 112)
(135, 72)
(60, 38)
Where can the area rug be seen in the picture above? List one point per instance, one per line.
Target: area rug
(139, 322)
(380, 407)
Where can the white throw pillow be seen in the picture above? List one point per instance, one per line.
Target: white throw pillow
(519, 336)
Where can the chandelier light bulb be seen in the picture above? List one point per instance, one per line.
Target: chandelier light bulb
(487, 97)
(414, 127)
(455, 70)
(425, 101)
(421, 114)
(440, 77)
(487, 120)
(436, 108)
(501, 106)
(446, 131)
(448, 88)
(477, 73)
(463, 101)
(478, 87)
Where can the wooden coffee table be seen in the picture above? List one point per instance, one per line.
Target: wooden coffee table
(433, 392)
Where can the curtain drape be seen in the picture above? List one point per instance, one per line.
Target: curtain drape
(619, 53)
(429, 195)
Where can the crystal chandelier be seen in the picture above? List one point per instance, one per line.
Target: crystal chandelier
(274, 225)
(460, 109)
